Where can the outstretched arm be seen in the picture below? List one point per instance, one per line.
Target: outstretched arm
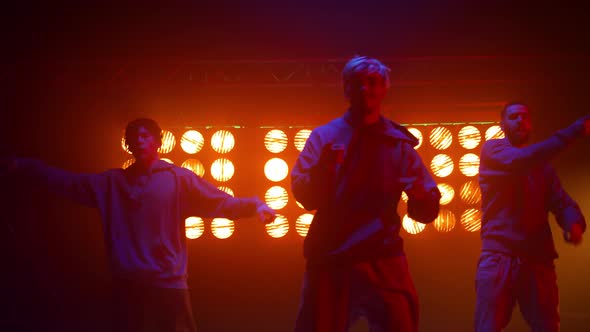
(499, 157)
(85, 189)
(205, 200)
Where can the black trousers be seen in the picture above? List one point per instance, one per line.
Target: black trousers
(139, 308)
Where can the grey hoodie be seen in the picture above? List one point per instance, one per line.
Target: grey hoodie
(519, 188)
(144, 217)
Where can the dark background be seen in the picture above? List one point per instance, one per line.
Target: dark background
(75, 73)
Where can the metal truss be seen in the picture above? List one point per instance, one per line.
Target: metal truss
(418, 71)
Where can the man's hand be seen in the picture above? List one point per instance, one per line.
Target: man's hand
(574, 236)
(582, 125)
(265, 213)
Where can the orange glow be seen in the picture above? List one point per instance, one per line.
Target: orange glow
(222, 170)
(411, 226)
(404, 197)
(195, 166)
(469, 164)
(192, 142)
(447, 193)
(469, 137)
(275, 141)
(278, 228)
(222, 228)
(442, 165)
(276, 197)
(441, 138)
(128, 163)
(494, 132)
(300, 139)
(471, 220)
(302, 224)
(418, 134)
(470, 192)
(276, 169)
(168, 142)
(226, 190)
(222, 141)
(167, 160)
(124, 145)
(195, 227)
(445, 222)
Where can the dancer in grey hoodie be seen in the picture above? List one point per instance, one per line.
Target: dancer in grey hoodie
(143, 210)
(519, 189)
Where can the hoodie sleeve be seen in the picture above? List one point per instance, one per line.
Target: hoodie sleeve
(500, 158)
(85, 189)
(311, 182)
(205, 200)
(566, 210)
(417, 183)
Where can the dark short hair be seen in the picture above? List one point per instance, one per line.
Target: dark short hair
(508, 104)
(150, 125)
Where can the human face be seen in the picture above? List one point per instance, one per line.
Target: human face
(366, 91)
(516, 124)
(144, 145)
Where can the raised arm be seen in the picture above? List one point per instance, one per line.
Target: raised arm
(499, 157)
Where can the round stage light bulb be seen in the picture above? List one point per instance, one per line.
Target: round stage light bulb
(418, 134)
(469, 137)
(195, 166)
(222, 170)
(469, 164)
(195, 227)
(302, 224)
(222, 141)
(276, 169)
(222, 228)
(471, 220)
(300, 139)
(192, 141)
(278, 228)
(441, 138)
(275, 141)
(168, 142)
(442, 165)
(411, 226)
(276, 197)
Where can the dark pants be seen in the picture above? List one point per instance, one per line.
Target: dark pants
(503, 280)
(333, 298)
(138, 308)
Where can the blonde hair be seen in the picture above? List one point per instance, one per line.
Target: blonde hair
(364, 64)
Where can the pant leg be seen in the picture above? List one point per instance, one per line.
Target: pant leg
(126, 305)
(494, 285)
(325, 299)
(390, 298)
(139, 308)
(538, 297)
(170, 310)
